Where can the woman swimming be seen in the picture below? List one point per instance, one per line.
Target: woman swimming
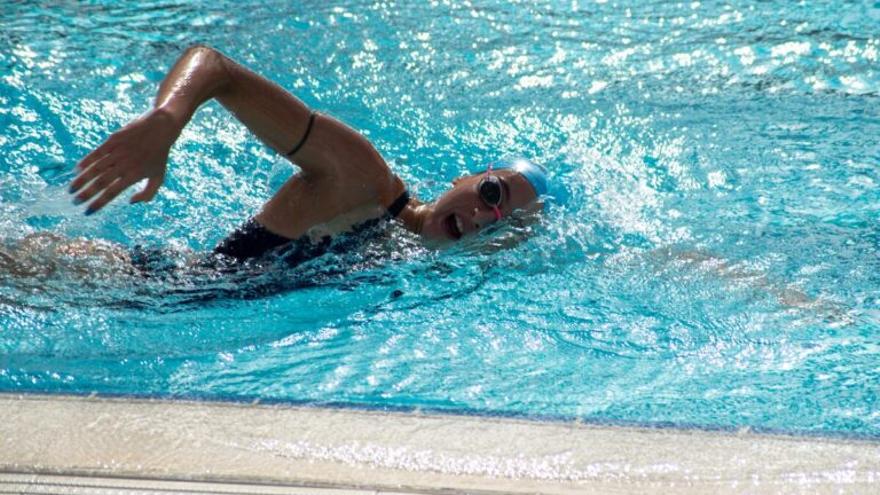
(343, 191)
(343, 187)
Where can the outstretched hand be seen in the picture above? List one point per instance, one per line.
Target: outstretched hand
(137, 151)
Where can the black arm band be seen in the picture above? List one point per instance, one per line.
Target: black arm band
(305, 136)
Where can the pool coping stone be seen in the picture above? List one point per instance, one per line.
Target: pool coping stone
(147, 444)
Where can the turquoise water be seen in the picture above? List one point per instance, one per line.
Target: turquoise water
(712, 259)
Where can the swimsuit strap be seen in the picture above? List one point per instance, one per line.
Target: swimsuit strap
(399, 204)
(305, 136)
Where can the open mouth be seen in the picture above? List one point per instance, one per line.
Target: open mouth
(453, 226)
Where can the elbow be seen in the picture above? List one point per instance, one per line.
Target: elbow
(205, 53)
(199, 48)
(212, 61)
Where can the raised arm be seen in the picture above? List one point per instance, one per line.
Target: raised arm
(140, 149)
(275, 116)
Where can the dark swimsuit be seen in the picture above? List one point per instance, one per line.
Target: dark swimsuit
(253, 240)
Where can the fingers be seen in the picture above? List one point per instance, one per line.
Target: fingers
(113, 190)
(103, 179)
(99, 181)
(99, 153)
(97, 168)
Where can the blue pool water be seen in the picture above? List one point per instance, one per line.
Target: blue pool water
(713, 258)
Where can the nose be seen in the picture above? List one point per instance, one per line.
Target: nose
(484, 216)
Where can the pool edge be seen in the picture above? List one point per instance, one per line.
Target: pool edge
(374, 452)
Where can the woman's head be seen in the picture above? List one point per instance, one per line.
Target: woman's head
(478, 200)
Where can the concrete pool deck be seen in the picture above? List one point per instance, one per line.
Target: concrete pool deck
(68, 444)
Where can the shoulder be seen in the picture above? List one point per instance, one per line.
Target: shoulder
(335, 148)
(339, 154)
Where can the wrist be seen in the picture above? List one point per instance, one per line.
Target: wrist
(174, 119)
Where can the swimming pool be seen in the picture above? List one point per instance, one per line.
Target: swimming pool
(712, 258)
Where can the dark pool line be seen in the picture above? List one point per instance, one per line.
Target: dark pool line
(464, 412)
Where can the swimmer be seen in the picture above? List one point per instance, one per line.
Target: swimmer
(344, 185)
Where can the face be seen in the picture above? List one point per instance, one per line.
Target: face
(462, 211)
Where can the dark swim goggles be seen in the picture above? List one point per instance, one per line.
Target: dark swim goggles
(489, 190)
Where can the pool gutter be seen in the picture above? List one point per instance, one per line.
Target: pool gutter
(113, 443)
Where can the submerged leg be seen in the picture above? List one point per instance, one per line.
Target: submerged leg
(6, 259)
(43, 254)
